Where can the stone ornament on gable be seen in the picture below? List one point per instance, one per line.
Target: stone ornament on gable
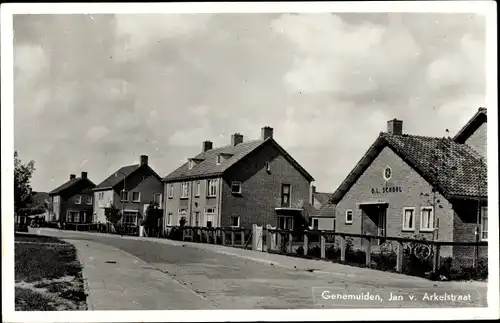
(387, 174)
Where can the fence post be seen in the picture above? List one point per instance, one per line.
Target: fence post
(269, 238)
(476, 249)
(192, 234)
(306, 243)
(342, 248)
(242, 238)
(436, 258)
(232, 237)
(369, 252)
(290, 240)
(223, 237)
(399, 257)
(183, 233)
(323, 246)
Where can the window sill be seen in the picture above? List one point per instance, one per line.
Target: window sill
(212, 197)
(348, 223)
(136, 201)
(426, 230)
(408, 230)
(184, 197)
(237, 193)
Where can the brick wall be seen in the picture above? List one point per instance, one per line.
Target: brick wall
(478, 140)
(68, 199)
(415, 192)
(261, 190)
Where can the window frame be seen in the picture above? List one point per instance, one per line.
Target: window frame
(289, 195)
(139, 199)
(209, 185)
(232, 223)
(209, 214)
(268, 166)
(404, 228)
(234, 183)
(129, 214)
(170, 191)
(197, 189)
(160, 200)
(482, 231)
(431, 226)
(347, 221)
(122, 194)
(218, 160)
(286, 220)
(78, 199)
(184, 189)
(89, 200)
(169, 218)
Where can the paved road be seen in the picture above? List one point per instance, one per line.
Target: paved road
(239, 282)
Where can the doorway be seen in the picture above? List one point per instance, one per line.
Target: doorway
(374, 221)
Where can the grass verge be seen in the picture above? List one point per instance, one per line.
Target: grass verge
(47, 274)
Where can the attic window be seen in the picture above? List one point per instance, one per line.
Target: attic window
(191, 164)
(268, 166)
(218, 161)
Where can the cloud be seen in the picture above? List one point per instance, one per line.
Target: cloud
(98, 91)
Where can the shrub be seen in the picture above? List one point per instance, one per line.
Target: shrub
(332, 252)
(385, 261)
(452, 269)
(175, 234)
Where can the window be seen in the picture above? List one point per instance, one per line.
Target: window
(285, 195)
(484, 223)
(198, 189)
(348, 217)
(209, 216)
(136, 196)
(78, 199)
(56, 199)
(157, 198)
(268, 166)
(101, 196)
(426, 218)
(212, 188)
(387, 173)
(170, 191)
(72, 217)
(235, 221)
(184, 190)
(124, 196)
(408, 219)
(218, 159)
(89, 200)
(285, 222)
(169, 218)
(315, 224)
(236, 187)
(129, 218)
(191, 164)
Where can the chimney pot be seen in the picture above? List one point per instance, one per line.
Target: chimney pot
(266, 132)
(72, 176)
(84, 174)
(206, 146)
(144, 160)
(236, 139)
(395, 127)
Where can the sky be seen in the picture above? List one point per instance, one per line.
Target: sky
(94, 92)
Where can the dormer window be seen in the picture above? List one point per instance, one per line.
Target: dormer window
(218, 161)
(190, 164)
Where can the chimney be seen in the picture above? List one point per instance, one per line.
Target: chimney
(395, 127)
(236, 138)
(266, 132)
(312, 191)
(206, 145)
(144, 160)
(84, 174)
(72, 176)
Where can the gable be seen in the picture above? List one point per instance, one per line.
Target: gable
(478, 120)
(477, 140)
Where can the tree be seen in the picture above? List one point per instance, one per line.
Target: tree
(22, 177)
(113, 214)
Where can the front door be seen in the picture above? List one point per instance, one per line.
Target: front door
(382, 223)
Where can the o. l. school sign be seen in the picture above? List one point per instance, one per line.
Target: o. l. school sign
(387, 189)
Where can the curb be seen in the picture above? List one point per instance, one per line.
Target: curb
(86, 289)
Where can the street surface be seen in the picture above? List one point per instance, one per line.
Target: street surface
(154, 274)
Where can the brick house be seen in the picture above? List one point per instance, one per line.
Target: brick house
(131, 188)
(72, 201)
(244, 183)
(390, 192)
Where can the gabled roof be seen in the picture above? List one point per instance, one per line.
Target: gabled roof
(117, 177)
(207, 167)
(465, 174)
(69, 184)
(470, 127)
(327, 211)
(323, 197)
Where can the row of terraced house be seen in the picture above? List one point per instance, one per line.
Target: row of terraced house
(403, 185)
